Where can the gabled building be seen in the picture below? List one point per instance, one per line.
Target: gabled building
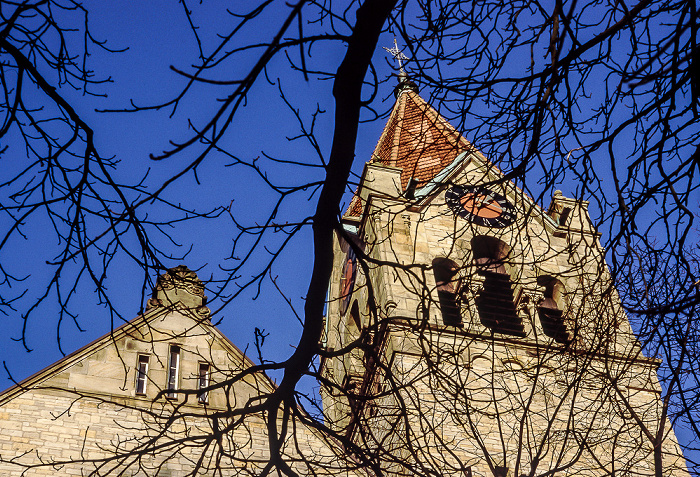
(483, 334)
(469, 332)
(144, 400)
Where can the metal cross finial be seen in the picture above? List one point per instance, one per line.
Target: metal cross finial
(397, 54)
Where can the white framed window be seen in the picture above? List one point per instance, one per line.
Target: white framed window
(141, 374)
(173, 371)
(203, 382)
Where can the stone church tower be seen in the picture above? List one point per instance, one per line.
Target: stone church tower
(477, 333)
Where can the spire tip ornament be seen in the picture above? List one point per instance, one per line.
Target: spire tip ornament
(397, 55)
(404, 82)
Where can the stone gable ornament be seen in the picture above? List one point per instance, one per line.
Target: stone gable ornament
(180, 285)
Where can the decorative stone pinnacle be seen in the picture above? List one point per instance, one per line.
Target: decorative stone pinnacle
(180, 285)
(404, 82)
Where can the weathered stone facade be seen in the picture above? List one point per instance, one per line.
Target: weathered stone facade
(85, 416)
(552, 381)
(453, 346)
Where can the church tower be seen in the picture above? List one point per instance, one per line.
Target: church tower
(472, 332)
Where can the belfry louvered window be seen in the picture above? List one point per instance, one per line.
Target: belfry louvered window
(446, 279)
(551, 309)
(495, 301)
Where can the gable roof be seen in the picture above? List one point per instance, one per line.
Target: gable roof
(427, 150)
(178, 293)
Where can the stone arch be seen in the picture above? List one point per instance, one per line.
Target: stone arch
(447, 282)
(490, 253)
(551, 309)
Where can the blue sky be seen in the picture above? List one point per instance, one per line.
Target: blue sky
(157, 37)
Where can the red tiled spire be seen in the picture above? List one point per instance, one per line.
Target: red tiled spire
(416, 139)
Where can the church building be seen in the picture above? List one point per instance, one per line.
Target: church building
(469, 332)
(481, 334)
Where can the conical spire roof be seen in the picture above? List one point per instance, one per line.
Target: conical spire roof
(417, 140)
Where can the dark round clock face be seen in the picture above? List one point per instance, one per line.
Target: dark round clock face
(347, 280)
(480, 205)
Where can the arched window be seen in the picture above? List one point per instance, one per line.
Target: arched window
(352, 324)
(495, 302)
(445, 271)
(489, 253)
(551, 309)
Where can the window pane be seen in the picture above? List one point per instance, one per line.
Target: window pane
(203, 381)
(142, 375)
(173, 370)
